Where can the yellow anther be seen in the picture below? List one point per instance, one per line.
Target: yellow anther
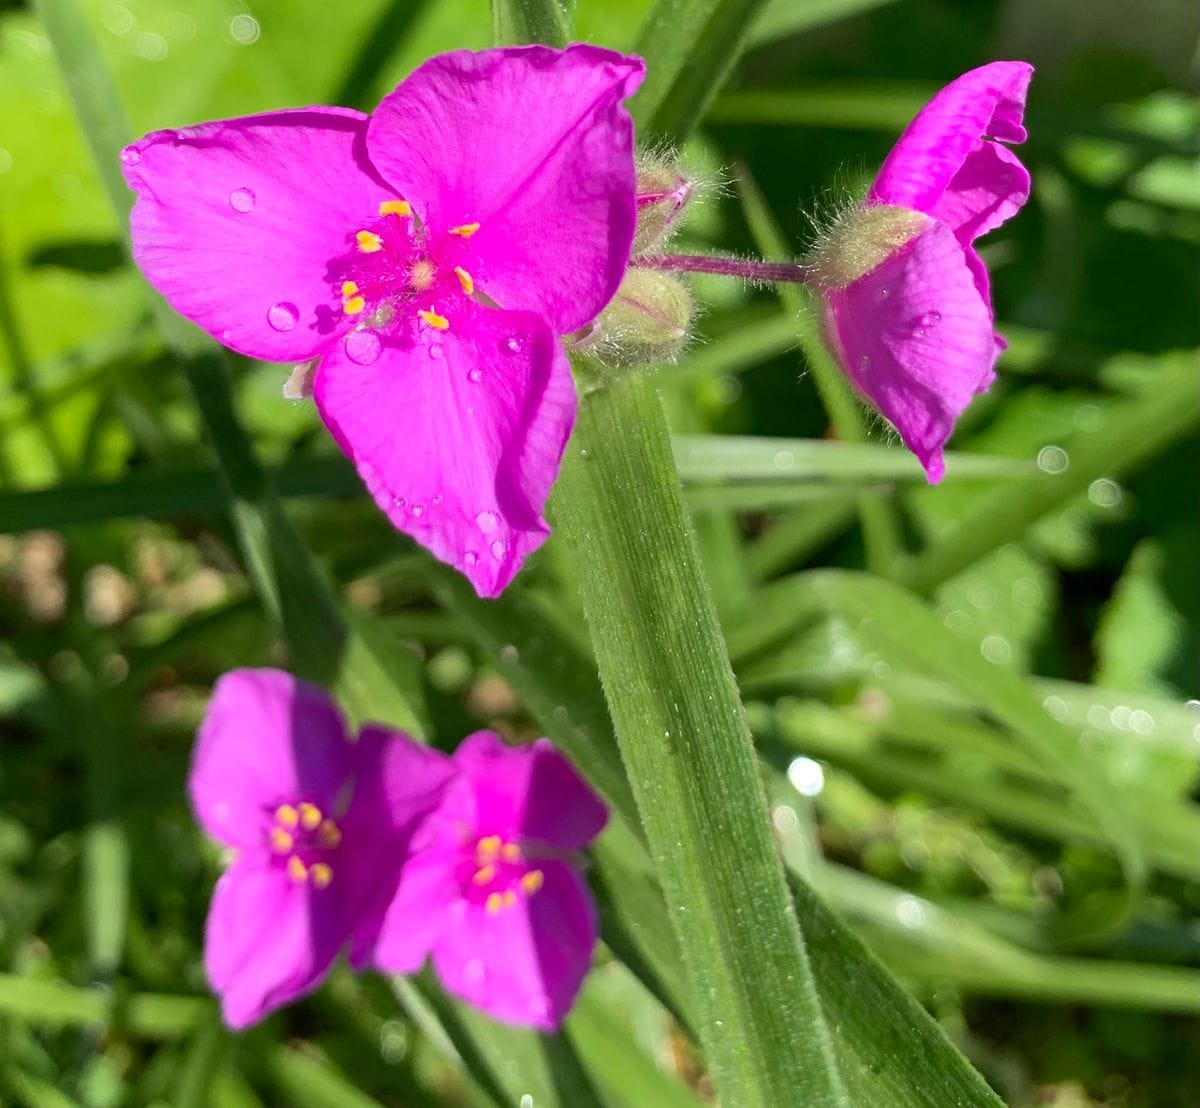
(349, 288)
(494, 903)
(532, 881)
(328, 834)
(464, 279)
(437, 322)
(510, 898)
(297, 870)
(510, 852)
(488, 848)
(286, 815)
(310, 816)
(281, 840)
(395, 207)
(352, 305)
(465, 230)
(321, 873)
(484, 875)
(368, 242)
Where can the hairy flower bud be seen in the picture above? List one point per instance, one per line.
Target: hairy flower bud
(646, 322)
(862, 240)
(662, 194)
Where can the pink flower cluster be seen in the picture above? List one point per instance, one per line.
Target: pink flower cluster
(391, 851)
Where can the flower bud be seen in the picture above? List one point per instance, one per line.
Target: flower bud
(862, 240)
(299, 386)
(646, 322)
(662, 193)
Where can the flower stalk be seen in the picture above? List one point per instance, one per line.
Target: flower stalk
(748, 269)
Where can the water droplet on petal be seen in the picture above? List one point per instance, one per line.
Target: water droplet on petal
(931, 319)
(475, 376)
(418, 510)
(864, 363)
(514, 344)
(130, 156)
(471, 558)
(882, 293)
(1052, 459)
(437, 351)
(283, 316)
(498, 548)
(242, 200)
(474, 971)
(487, 521)
(438, 498)
(363, 347)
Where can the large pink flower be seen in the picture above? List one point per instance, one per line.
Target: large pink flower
(318, 844)
(906, 299)
(428, 255)
(493, 890)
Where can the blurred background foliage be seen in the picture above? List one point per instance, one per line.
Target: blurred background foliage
(1061, 552)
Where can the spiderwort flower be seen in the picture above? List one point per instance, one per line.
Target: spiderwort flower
(426, 255)
(317, 842)
(906, 300)
(493, 889)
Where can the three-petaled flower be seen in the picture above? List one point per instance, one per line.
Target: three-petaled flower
(492, 888)
(426, 256)
(906, 300)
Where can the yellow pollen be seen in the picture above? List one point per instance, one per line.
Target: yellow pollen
(321, 874)
(494, 903)
(287, 815)
(464, 279)
(310, 816)
(368, 242)
(532, 881)
(510, 852)
(395, 207)
(297, 870)
(281, 840)
(465, 230)
(437, 322)
(488, 848)
(328, 834)
(349, 288)
(352, 305)
(484, 875)
(422, 274)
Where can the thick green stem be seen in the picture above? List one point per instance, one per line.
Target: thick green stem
(687, 749)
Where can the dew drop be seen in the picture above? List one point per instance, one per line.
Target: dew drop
(283, 316)
(438, 498)
(418, 510)
(864, 363)
(1052, 459)
(363, 347)
(931, 319)
(437, 351)
(498, 548)
(130, 156)
(882, 293)
(242, 200)
(514, 344)
(475, 376)
(785, 459)
(486, 521)
(471, 558)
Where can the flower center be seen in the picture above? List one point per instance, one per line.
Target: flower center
(497, 874)
(306, 839)
(394, 269)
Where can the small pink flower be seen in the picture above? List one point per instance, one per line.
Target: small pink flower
(427, 255)
(493, 889)
(906, 299)
(317, 842)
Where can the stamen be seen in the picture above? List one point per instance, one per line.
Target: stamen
(329, 834)
(484, 875)
(465, 230)
(310, 816)
(321, 874)
(368, 242)
(297, 870)
(395, 207)
(437, 322)
(349, 288)
(511, 852)
(281, 840)
(353, 305)
(464, 279)
(286, 815)
(532, 881)
(487, 848)
(494, 903)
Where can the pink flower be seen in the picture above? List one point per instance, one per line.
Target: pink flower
(427, 255)
(494, 891)
(317, 841)
(906, 299)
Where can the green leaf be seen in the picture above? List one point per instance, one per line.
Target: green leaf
(520, 21)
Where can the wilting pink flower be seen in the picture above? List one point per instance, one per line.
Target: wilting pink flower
(906, 299)
(427, 255)
(493, 888)
(317, 841)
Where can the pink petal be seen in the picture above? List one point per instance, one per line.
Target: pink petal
(941, 152)
(266, 739)
(457, 434)
(530, 793)
(916, 339)
(236, 222)
(417, 913)
(534, 145)
(268, 940)
(523, 964)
